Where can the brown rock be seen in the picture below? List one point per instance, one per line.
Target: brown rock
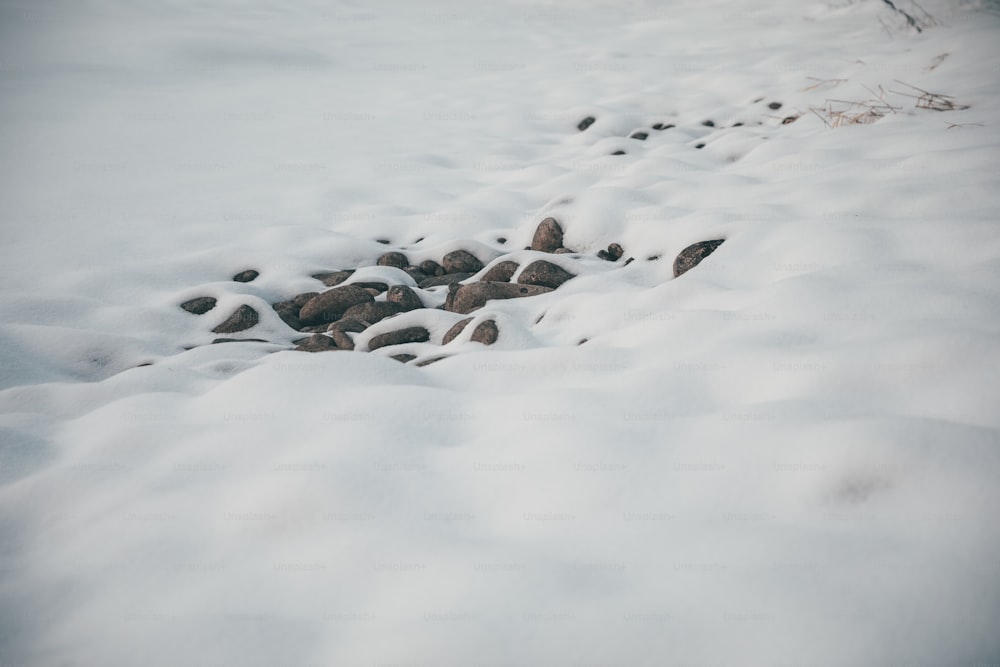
(562, 251)
(486, 332)
(246, 276)
(396, 259)
(338, 331)
(331, 304)
(374, 311)
(461, 261)
(333, 278)
(468, 298)
(242, 318)
(288, 312)
(399, 337)
(405, 297)
(613, 253)
(500, 272)
(544, 273)
(431, 268)
(302, 299)
(317, 343)
(199, 305)
(456, 330)
(548, 236)
(692, 255)
(446, 279)
(379, 287)
(314, 328)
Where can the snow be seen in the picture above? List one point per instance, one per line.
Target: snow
(787, 456)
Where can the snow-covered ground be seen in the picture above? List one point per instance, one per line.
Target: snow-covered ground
(788, 456)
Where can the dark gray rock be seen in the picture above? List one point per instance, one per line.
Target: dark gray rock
(405, 297)
(302, 299)
(613, 253)
(331, 304)
(374, 311)
(415, 273)
(446, 279)
(456, 330)
(485, 332)
(333, 278)
(288, 312)
(404, 358)
(619, 153)
(461, 261)
(585, 123)
(246, 276)
(468, 298)
(431, 268)
(708, 123)
(692, 255)
(641, 136)
(199, 305)
(396, 259)
(548, 236)
(774, 106)
(242, 319)
(399, 337)
(544, 273)
(501, 272)
(663, 126)
(317, 343)
(216, 341)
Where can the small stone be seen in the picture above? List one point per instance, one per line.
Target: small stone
(242, 318)
(619, 153)
(431, 268)
(246, 276)
(468, 298)
(661, 126)
(288, 312)
(485, 332)
(396, 259)
(548, 236)
(708, 123)
(613, 253)
(404, 358)
(317, 343)
(446, 279)
(562, 251)
(585, 123)
(331, 304)
(544, 273)
(501, 240)
(199, 305)
(641, 136)
(501, 272)
(699, 146)
(404, 297)
(461, 261)
(383, 241)
(333, 278)
(456, 330)
(374, 311)
(692, 255)
(399, 337)
(652, 258)
(788, 120)
(338, 331)
(774, 106)
(737, 124)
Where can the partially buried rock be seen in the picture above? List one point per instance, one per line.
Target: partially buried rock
(468, 298)
(373, 311)
(585, 123)
(501, 272)
(373, 285)
(641, 136)
(242, 318)
(396, 259)
(544, 273)
(613, 253)
(548, 236)
(199, 305)
(404, 358)
(446, 279)
(456, 330)
(404, 297)
(399, 337)
(486, 333)
(317, 343)
(431, 268)
(692, 255)
(461, 261)
(331, 304)
(338, 331)
(246, 276)
(333, 278)
(289, 313)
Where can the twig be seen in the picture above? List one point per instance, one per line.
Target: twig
(909, 17)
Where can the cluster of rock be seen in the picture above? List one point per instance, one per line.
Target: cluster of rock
(333, 315)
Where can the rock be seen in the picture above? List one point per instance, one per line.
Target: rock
(585, 123)
(788, 120)
(315, 328)
(562, 251)
(374, 311)
(399, 337)
(619, 153)
(652, 258)
(661, 126)
(501, 272)
(431, 360)
(302, 299)
(449, 300)
(415, 273)
(396, 259)
(468, 298)
(548, 236)
(613, 253)
(383, 241)
(699, 146)
(379, 287)
(242, 319)
(333, 278)
(404, 358)
(708, 123)
(199, 305)
(774, 106)
(215, 341)
(431, 268)
(544, 273)
(246, 276)
(456, 330)
(461, 261)
(317, 343)
(737, 125)
(338, 331)
(501, 240)
(288, 312)
(446, 279)
(641, 136)
(486, 333)
(405, 297)
(692, 255)
(331, 304)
